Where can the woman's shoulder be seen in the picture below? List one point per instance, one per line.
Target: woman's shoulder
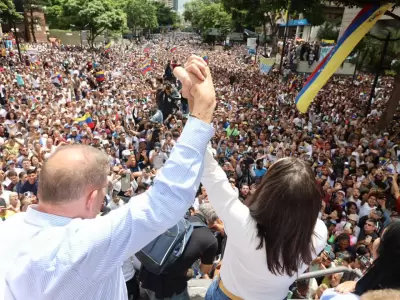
(320, 236)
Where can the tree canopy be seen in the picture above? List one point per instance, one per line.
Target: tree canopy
(96, 16)
(140, 14)
(8, 12)
(207, 14)
(165, 15)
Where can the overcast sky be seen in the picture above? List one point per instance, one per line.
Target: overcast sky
(180, 5)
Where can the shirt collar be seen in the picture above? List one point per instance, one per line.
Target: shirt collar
(41, 219)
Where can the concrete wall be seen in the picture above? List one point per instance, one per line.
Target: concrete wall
(303, 67)
(74, 39)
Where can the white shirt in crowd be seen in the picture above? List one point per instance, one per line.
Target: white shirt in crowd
(114, 205)
(159, 159)
(245, 272)
(365, 209)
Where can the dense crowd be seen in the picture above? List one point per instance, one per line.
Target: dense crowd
(125, 101)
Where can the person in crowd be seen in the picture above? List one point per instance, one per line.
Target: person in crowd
(202, 245)
(382, 274)
(71, 193)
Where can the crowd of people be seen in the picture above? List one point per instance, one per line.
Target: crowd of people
(125, 101)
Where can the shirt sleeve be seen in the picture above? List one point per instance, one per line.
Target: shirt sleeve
(209, 254)
(225, 200)
(98, 246)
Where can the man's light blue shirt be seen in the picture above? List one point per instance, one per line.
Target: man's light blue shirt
(50, 257)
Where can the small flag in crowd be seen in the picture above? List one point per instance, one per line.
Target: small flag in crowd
(100, 76)
(173, 49)
(146, 68)
(205, 57)
(358, 28)
(265, 65)
(86, 118)
(146, 49)
(108, 46)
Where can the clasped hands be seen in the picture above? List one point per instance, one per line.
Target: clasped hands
(197, 87)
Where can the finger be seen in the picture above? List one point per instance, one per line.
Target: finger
(198, 70)
(181, 74)
(197, 58)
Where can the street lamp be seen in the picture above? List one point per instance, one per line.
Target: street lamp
(16, 30)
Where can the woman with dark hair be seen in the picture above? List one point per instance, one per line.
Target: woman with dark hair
(11, 123)
(384, 272)
(273, 239)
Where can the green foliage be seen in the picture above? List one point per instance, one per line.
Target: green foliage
(141, 14)
(8, 12)
(165, 15)
(258, 12)
(328, 31)
(207, 14)
(96, 16)
(54, 14)
(370, 51)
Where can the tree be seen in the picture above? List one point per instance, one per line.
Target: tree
(95, 16)
(8, 12)
(214, 16)
(140, 14)
(192, 11)
(328, 31)
(31, 6)
(165, 15)
(54, 15)
(265, 13)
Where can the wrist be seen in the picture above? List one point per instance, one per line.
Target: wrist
(203, 115)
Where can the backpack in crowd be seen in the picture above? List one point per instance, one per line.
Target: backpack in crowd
(163, 251)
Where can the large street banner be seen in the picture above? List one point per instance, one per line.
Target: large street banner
(252, 45)
(266, 64)
(324, 52)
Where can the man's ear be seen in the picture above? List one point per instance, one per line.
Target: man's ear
(91, 200)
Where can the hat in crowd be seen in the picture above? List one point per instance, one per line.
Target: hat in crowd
(11, 162)
(341, 192)
(157, 144)
(67, 126)
(96, 137)
(74, 129)
(142, 140)
(18, 133)
(353, 217)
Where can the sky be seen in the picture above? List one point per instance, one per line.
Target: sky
(180, 5)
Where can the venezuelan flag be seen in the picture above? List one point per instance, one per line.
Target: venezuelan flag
(146, 68)
(173, 49)
(359, 27)
(100, 76)
(86, 118)
(108, 46)
(205, 57)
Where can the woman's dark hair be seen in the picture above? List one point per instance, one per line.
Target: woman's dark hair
(286, 208)
(8, 115)
(343, 237)
(385, 271)
(348, 204)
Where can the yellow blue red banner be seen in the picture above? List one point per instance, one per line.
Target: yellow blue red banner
(358, 28)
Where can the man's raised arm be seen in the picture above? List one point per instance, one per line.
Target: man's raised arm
(125, 231)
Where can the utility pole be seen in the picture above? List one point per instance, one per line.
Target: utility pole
(285, 36)
(378, 71)
(17, 42)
